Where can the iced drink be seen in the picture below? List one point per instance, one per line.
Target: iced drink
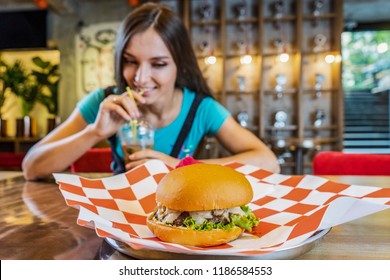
(135, 137)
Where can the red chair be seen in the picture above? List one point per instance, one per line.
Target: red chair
(11, 161)
(94, 160)
(339, 163)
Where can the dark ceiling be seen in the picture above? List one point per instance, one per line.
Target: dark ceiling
(360, 11)
(366, 11)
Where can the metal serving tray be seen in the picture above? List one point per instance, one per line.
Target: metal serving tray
(282, 254)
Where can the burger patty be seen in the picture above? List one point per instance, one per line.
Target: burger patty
(176, 218)
(179, 221)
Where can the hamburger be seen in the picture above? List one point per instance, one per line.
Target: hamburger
(202, 205)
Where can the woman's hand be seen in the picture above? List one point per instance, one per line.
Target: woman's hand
(140, 157)
(114, 111)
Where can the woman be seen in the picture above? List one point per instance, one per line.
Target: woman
(154, 56)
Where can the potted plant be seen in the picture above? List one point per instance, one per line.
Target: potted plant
(24, 86)
(3, 97)
(33, 86)
(48, 78)
(12, 76)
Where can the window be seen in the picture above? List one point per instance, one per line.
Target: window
(366, 60)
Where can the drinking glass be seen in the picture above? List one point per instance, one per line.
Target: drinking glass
(135, 136)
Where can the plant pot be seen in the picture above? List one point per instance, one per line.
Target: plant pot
(3, 128)
(26, 127)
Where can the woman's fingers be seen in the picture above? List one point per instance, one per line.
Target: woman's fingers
(123, 105)
(129, 103)
(136, 163)
(138, 96)
(114, 104)
(142, 156)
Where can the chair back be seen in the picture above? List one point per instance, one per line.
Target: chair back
(340, 163)
(94, 160)
(11, 161)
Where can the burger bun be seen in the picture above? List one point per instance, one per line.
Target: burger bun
(201, 187)
(186, 236)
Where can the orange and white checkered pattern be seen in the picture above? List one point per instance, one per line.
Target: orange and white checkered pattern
(290, 208)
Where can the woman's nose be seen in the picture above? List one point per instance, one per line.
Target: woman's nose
(142, 75)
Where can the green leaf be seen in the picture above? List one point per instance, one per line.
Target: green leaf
(40, 63)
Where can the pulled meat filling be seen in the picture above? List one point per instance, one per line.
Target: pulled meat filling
(176, 218)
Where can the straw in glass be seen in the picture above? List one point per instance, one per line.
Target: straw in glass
(133, 121)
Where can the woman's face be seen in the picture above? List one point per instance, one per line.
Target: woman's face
(148, 66)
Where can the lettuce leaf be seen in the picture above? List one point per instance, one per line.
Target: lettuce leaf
(253, 221)
(190, 222)
(245, 222)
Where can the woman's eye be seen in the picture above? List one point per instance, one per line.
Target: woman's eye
(129, 61)
(159, 65)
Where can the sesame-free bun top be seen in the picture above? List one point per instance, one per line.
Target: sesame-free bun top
(202, 187)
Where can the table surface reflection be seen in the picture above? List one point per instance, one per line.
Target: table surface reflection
(36, 223)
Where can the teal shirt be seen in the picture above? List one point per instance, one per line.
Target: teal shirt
(208, 120)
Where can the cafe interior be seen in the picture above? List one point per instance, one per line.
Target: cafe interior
(310, 78)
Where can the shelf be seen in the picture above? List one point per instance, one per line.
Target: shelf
(241, 21)
(285, 128)
(322, 141)
(313, 53)
(205, 22)
(286, 91)
(267, 37)
(17, 144)
(199, 56)
(238, 93)
(304, 142)
(280, 19)
(313, 91)
(235, 56)
(292, 53)
(19, 139)
(320, 17)
(318, 128)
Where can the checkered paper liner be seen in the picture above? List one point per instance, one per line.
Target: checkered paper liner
(291, 208)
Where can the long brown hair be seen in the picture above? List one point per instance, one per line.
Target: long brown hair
(175, 36)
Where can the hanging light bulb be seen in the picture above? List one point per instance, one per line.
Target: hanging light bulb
(244, 44)
(284, 57)
(210, 60)
(330, 58)
(246, 59)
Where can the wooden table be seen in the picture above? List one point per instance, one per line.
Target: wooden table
(36, 223)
